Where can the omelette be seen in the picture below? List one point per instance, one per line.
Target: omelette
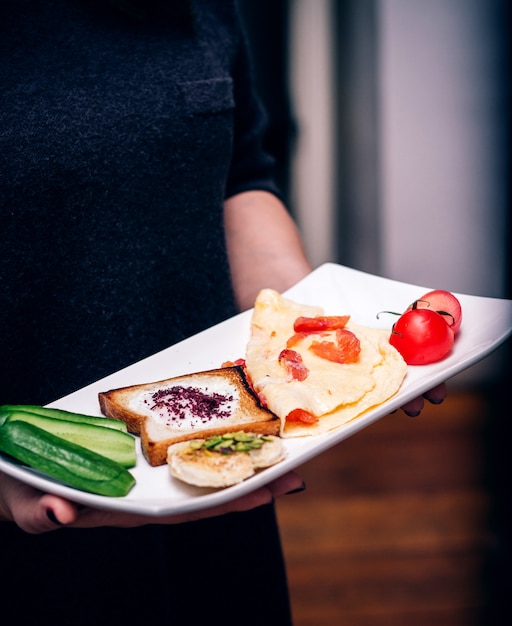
(331, 393)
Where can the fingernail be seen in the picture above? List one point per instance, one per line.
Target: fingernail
(298, 490)
(53, 518)
(435, 401)
(412, 413)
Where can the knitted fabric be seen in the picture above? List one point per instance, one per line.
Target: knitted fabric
(119, 141)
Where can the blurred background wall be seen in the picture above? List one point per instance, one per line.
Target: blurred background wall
(390, 123)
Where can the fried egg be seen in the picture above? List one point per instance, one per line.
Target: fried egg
(333, 392)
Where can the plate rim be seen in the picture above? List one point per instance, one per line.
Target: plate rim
(298, 452)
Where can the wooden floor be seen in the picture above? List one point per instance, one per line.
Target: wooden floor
(402, 524)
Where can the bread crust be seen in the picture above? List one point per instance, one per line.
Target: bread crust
(155, 450)
(111, 406)
(247, 415)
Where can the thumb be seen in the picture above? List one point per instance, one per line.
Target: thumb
(33, 511)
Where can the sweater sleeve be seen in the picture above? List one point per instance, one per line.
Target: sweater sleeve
(251, 166)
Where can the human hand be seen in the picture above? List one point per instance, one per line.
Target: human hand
(36, 512)
(435, 396)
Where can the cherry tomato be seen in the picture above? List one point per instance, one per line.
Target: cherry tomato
(422, 336)
(445, 303)
(320, 323)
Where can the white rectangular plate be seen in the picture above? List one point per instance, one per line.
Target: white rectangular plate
(487, 322)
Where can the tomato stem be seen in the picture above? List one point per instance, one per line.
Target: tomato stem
(414, 306)
(448, 314)
(389, 312)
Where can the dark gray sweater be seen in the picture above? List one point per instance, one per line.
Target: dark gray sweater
(119, 141)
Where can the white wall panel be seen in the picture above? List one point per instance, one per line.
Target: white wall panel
(443, 170)
(311, 80)
(442, 144)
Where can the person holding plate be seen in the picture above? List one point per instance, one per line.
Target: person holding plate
(137, 208)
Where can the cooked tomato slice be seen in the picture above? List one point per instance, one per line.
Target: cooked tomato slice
(301, 415)
(349, 343)
(346, 350)
(262, 399)
(327, 350)
(239, 362)
(298, 337)
(293, 362)
(295, 339)
(321, 322)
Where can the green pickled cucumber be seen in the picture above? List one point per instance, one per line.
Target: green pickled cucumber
(64, 461)
(114, 444)
(60, 414)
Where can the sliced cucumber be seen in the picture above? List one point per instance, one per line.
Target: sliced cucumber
(64, 461)
(113, 444)
(60, 414)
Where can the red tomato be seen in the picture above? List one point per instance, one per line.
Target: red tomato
(444, 303)
(301, 415)
(349, 343)
(345, 350)
(327, 350)
(295, 339)
(262, 399)
(422, 336)
(292, 361)
(239, 362)
(320, 323)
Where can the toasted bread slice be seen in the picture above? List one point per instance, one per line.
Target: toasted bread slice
(198, 463)
(188, 407)
(205, 469)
